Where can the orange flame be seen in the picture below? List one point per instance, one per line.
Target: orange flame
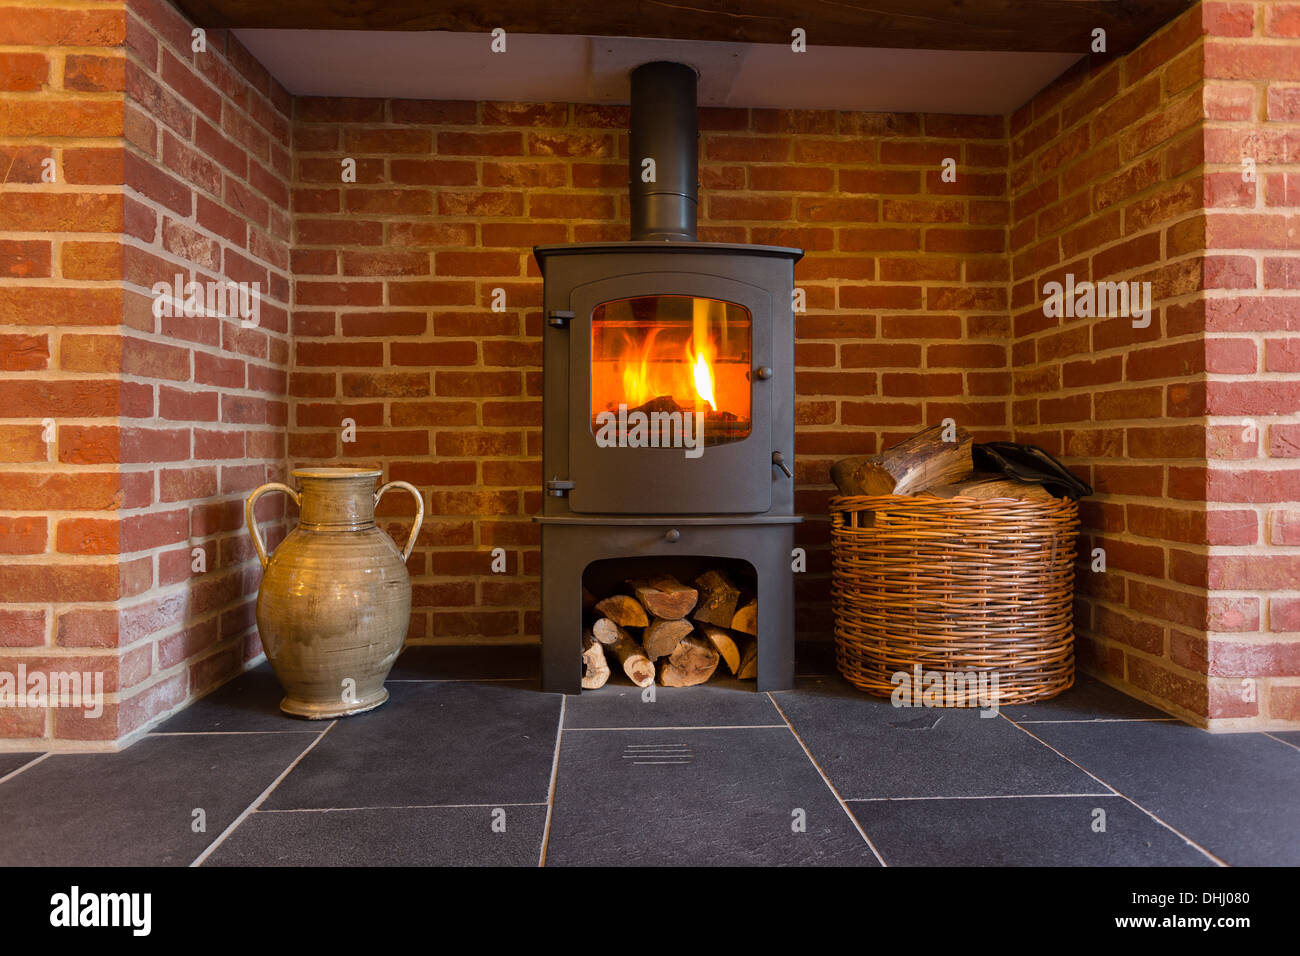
(646, 374)
(704, 379)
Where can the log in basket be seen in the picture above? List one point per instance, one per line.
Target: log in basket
(955, 585)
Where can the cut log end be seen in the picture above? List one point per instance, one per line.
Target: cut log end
(607, 632)
(664, 596)
(724, 644)
(692, 662)
(624, 610)
(746, 619)
(718, 599)
(748, 669)
(662, 636)
(595, 669)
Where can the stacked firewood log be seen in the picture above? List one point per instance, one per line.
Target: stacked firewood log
(660, 628)
(935, 462)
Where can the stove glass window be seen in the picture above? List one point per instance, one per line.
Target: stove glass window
(667, 368)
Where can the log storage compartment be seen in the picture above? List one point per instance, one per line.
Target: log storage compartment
(668, 431)
(679, 628)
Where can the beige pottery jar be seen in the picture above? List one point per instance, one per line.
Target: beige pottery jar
(335, 601)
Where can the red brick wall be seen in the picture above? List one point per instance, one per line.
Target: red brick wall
(1106, 184)
(169, 161)
(1252, 321)
(1131, 170)
(394, 278)
(62, 78)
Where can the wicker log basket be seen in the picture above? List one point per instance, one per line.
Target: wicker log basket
(955, 585)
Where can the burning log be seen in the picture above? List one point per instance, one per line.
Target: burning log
(718, 599)
(595, 669)
(921, 461)
(624, 610)
(724, 644)
(662, 636)
(692, 661)
(746, 619)
(664, 596)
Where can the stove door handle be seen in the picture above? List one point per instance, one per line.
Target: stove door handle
(779, 460)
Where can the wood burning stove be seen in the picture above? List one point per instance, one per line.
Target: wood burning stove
(669, 395)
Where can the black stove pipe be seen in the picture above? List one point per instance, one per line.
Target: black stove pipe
(664, 128)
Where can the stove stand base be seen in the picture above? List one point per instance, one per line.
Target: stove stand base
(570, 544)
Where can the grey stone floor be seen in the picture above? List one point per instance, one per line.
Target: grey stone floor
(469, 763)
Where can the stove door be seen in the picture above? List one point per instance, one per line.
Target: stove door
(669, 412)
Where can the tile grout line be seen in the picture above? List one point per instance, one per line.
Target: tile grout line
(826, 780)
(1186, 839)
(198, 861)
(414, 806)
(667, 728)
(1019, 727)
(31, 763)
(225, 733)
(1266, 734)
(550, 793)
(991, 796)
(1107, 720)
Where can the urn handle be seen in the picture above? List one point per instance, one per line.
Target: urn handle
(419, 511)
(248, 514)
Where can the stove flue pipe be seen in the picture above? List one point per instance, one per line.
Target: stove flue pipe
(663, 153)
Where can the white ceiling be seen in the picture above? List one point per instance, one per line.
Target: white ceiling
(576, 69)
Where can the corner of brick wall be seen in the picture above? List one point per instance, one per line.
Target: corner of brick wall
(1133, 170)
(168, 162)
(1106, 185)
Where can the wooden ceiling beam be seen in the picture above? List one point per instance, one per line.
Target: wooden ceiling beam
(1058, 26)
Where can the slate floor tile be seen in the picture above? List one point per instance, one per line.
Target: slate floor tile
(726, 702)
(250, 703)
(1032, 831)
(468, 662)
(426, 836)
(869, 748)
(136, 807)
(1088, 699)
(11, 762)
(432, 743)
(1234, 794)
(699, 797)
